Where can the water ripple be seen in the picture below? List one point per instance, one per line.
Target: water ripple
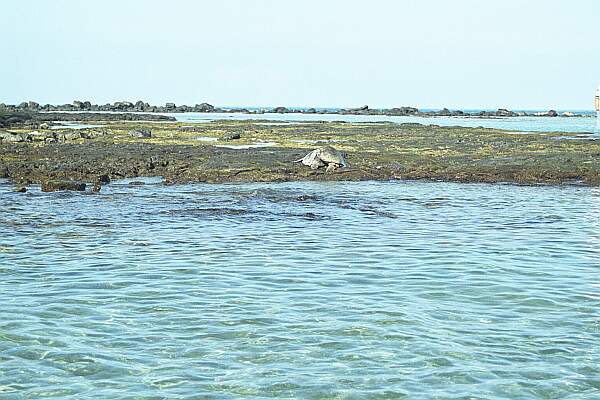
(301, 290)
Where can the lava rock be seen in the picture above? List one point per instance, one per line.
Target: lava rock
(233, 136)
(140, 133)
(204, 107)
(503, 112)
(60, 185)
(103, 179)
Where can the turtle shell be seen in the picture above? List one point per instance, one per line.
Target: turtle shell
(329, 155)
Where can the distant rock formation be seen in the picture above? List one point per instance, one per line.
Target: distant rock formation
(144, 107)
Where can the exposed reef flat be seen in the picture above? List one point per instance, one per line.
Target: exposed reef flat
(28, 119)
(206, 152)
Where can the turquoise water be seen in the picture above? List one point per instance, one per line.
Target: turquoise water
(587, 124)
(416, 290)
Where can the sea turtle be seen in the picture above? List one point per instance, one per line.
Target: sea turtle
(324, 156)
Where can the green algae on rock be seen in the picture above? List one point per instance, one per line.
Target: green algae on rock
(376, 151)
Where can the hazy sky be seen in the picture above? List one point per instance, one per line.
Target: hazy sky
(428, 54)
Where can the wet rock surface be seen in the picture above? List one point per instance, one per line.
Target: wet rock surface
(62, 185)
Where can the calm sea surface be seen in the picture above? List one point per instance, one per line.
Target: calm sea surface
(395, 290)
(526, 124)
(585, 124)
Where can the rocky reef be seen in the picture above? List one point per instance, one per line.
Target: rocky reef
(144, 107)
(258, 151)
(43, 120)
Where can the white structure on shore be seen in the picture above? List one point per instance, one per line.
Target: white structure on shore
(597, 106)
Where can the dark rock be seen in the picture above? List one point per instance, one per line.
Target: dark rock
(141, 106)
(82, 105)
(103, 179)
(204, 107)
(59, 185)
(136, 183)
(140, 133)
(307, 197)
(311, 111)
(403, 111)
(170, 106)
(122, 106)
(280, 110)
(552, 113)
(233, 136)
(8, 119)
(503, 112)
(20, 189)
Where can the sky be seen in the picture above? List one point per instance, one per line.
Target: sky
(461, 54)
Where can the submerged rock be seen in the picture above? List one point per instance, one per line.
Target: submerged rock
(20, 189)
(59, 185)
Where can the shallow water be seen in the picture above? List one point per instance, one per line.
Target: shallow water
(527, 124)
(257, 145)
(301, 290)
(74, 125)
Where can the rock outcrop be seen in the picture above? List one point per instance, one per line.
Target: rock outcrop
(140, 133)
(60, 185)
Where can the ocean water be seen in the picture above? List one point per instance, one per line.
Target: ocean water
(588, 124)
(585, 124)
(364, 290)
